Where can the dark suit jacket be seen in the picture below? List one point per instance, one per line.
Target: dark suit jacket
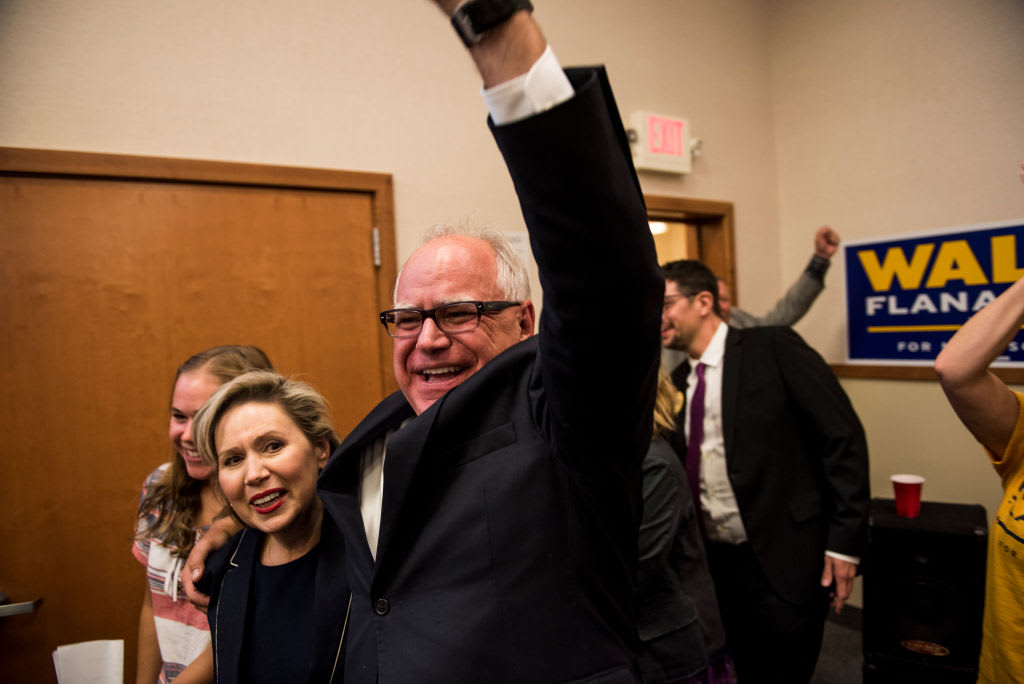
(228, 581)
(508, 536)
(796, 456)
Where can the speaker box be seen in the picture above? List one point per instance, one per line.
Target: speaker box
(924, 593)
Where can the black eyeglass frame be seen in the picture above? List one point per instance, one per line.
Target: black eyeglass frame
(666, 305)
(481, 308)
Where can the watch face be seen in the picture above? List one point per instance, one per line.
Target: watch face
(472, 19)
(464, 27)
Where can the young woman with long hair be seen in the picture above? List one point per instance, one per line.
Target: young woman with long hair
(179, 500)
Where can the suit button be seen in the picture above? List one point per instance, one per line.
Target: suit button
(382, 606)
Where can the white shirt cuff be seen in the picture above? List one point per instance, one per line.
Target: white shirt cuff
(843, 557)
(544, 86)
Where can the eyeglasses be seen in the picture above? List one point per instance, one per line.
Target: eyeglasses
(671, 299)
(450, 318)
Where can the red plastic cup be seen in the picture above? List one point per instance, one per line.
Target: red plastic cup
(907, 489)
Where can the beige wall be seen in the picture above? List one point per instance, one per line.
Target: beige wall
(379, 86)
(876, 116)
(897, 117)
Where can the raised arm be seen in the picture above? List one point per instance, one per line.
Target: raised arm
(983, 403)
(506, 51)
(801, 294)
(579, 194)
(573, 173)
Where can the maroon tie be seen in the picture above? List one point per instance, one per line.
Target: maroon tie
(693, 441)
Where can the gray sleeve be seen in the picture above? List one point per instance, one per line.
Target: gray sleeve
(794, 304)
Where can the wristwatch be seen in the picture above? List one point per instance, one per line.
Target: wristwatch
(473, 18)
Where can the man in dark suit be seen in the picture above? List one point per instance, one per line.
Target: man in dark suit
(490, 531)
(779, 461)
(489, 510)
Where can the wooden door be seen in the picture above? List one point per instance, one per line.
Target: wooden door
(115, 269)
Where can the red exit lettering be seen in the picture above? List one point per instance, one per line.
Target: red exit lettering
(664, 136)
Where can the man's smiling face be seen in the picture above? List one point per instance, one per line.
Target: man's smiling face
(680, 318)
(452, 269)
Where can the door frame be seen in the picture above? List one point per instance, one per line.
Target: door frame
(711, 238)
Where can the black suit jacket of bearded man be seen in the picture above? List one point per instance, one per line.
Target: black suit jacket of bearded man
(795, 453)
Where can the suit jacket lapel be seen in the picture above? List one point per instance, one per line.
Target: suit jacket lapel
(330, 605)
(404, 450)
(338, 485)
(679, 375)
(387, 414)
(235, 593)
(730, 387)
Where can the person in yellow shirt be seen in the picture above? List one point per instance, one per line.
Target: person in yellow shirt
(995, 416)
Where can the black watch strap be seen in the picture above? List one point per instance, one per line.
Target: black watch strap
(474, 17)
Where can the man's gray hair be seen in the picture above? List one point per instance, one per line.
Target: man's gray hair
(513, 278)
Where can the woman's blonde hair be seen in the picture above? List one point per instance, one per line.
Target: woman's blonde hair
(666, 406)
(300, 402)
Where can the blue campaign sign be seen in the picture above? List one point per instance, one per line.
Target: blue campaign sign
(905, 297)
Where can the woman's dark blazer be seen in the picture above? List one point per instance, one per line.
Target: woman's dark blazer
(228, 579)
(677, 613)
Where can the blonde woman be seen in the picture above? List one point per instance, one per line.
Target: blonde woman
(269, 437)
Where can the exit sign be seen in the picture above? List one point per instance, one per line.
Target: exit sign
(662, 144)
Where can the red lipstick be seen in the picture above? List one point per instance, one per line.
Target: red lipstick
(267, 501)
